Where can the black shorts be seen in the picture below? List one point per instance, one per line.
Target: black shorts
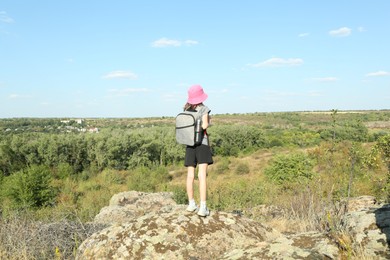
(197, 155)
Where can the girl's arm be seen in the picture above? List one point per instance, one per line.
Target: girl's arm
(205, 121)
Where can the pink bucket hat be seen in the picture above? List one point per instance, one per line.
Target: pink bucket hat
(196, 95)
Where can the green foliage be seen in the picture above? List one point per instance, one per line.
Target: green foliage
(30, 188)
(64, 170)
(125, 144)
(179, 194)
(293, 137)
(295, 167)
(148, 180)
(9, 160)
(230, 140)
(350, 130)
(239, 194)
(383, 145)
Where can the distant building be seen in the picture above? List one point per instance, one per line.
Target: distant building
(93, 130)
(78, 121)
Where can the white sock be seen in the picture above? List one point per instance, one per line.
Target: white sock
(192, 202)
(203, 204)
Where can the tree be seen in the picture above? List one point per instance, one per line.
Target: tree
(6, 160)
(30, 188)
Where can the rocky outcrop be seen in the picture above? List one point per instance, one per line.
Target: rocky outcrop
(125, 206)
(369, 226)
(153, 226)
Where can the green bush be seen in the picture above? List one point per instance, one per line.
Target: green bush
(384, 147)
(148, 180)
(30, 188)
(296, 167)
(352, 131)
(230, 140)
(179, 194)
(64, 170)
(236, 195)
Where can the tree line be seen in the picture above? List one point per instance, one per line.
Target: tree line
(123, 149)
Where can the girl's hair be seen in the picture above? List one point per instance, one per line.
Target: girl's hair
(189, 106)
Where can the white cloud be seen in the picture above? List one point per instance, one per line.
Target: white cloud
(126, 91)
(165, 42)
(378, 74)
(325, 79)
(278, 62)
(5, 18)
(18, 96)
(315, 93)
(362, 29)
(303, 34)
(120, 74)
(341, 32)
(190, 42)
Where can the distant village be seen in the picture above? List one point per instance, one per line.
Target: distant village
(80, 122)
(68, 126)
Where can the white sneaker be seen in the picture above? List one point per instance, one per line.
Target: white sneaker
(203, 212)
(192, 208)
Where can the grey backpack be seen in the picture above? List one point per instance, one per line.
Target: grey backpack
(185, 127)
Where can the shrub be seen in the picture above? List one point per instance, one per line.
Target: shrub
(230, 140)
(64, 170)
(290, 168)
(384, 146)
(30, 188)
(236, 195)
(148, 180)
(353, 131)
(179, 194)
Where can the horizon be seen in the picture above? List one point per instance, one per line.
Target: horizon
(228, 114)
(102, 59)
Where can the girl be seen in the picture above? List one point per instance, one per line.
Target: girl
(198, 155)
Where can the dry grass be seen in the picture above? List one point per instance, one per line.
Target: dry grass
(23, 238)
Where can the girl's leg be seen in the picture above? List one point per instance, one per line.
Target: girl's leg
(202, 172)
(190, 182)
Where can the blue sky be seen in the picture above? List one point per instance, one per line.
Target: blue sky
(138, 58)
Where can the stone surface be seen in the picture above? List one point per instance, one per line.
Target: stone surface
(153, 226)
(361, 203)
(370, 229)
(127, 205)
